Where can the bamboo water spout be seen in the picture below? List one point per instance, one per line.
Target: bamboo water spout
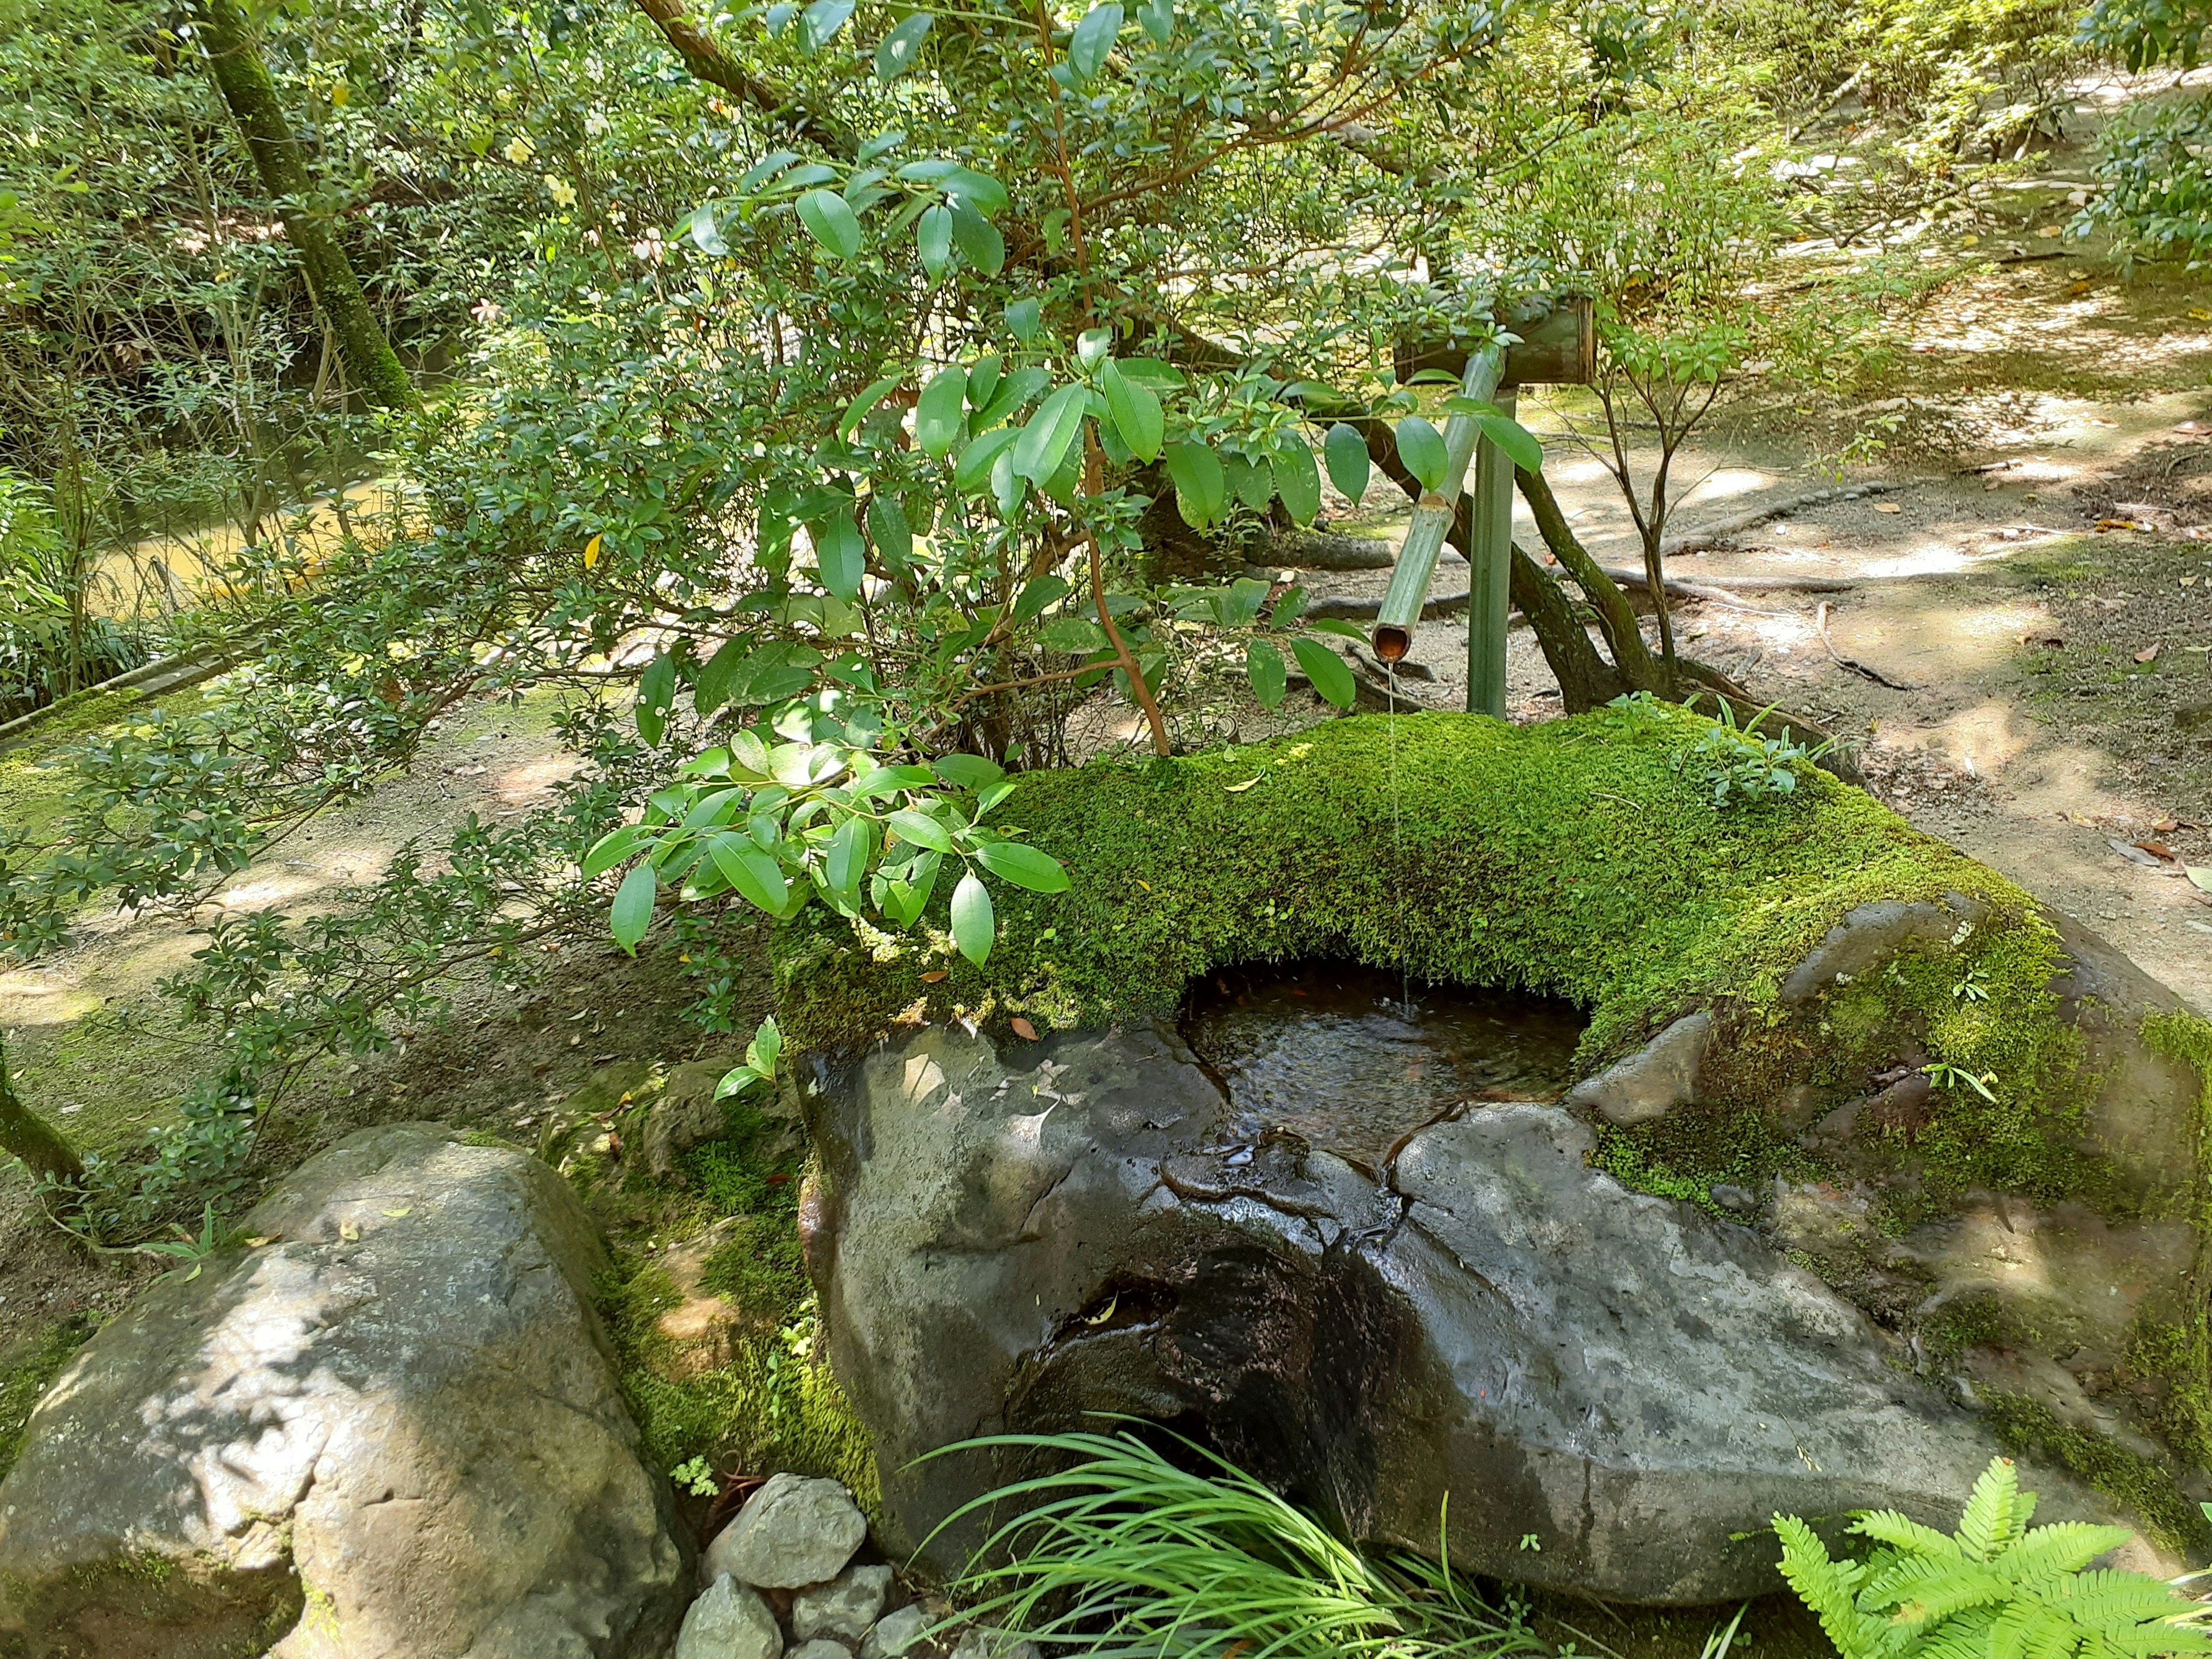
(1433, 514)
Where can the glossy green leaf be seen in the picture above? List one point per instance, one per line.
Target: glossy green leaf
(1013, 391)
(656, 691)
(1051, 431)
(632, 913)
(979, 189)
(1349, 465)
(1298, 479)
(1264, 667)
(1421, 447)
(972, 471)
(1159, 19)
(1024, 866)
(983, 380)
(840, 556)
(920, 828)
(889, 530)
(612, 849)
(1087, 48)
(1327, 671)
(1037, 595)
(933, 239)
(1520, 444)
(756, 876)
(820, 22)
(848, 859)
(899, 51)
(967, 771)
(974, 925)
(940, 413)
(1135, 410)
(1201, 485)
(1024, 317)
(829, 220)
(705, 236)
(1254, 484)
(858, 410)
(978, 239)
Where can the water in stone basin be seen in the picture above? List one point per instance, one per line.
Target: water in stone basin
(1328, 1050)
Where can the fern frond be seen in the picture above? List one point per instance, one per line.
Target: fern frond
(2113, 1600)
(1828, 1587)
(1966, 1636)
(1903, 1533)
(2066, 1547)
(1968, 1585)
(1990, 1522)
(1904, 1579)
(2027, 1630)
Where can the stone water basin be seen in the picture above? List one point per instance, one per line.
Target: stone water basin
(1344, 1057)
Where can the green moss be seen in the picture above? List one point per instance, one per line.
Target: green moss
(1687, 1152)
(2026, 1424)
(34, 1364)
(2182, 1353)
(760, 1271)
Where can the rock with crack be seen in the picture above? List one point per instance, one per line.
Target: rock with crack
(795, 1531)
(398, 1412)
(1640, 1385)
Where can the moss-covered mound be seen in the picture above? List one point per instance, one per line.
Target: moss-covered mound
(1584, 857)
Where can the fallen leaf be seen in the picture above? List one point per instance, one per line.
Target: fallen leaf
(2201, 316)
(348, 1232)
(396, 1214)
(1023, 1028)
(2131, 853)
(258, 1242)
(2148, 653)
(2200, 876)
(1888, 506)
(2052, 230)
(2156, 848)
(1239, 788)
(931, 978)
(2187, 581)
(2166, 826)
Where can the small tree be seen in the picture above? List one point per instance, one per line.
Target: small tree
(31, 1137)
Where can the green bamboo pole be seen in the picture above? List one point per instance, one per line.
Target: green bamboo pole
(1433, 514)
(234, 60)
(1490, 572)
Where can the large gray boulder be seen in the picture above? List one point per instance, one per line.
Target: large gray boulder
(1012, 1243)
(390, 1430)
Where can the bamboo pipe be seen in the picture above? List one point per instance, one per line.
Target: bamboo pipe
(1433, 514)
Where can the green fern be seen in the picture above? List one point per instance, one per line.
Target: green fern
(1993, 1589)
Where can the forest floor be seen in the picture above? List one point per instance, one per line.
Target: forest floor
(2019, 637)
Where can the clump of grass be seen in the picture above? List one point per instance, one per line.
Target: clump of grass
(1121, 1553)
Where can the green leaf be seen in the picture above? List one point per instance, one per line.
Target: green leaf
(939, 414)
(766, 1047)
(920, 828)
(1264, 667)
(1298, 480)
(700, 227)
(973, 926)
(1037, 595)
(967, 771)
(1159, 18)
(841, 557)
(973, 470)
(829, 220)
(979, 238)
(1520, 444)
(656, 691)
(632, 913)
(933, 239)
(735, 1081)
(1024, 317)
(889, 530)
(979, 189)
(1045, 440)
(1013, 391)
(758, 877)
(1023, 864)
(1253, 483)
(877, 392)
(847, 860)
(1349, 466)
(1327, 671)
(900, 48)
(820, 23)
(1135, 410)
(983, 380)
(1201, 485)
(1421, 447)
(1341, 629)
(1093, 40)
(612, 849)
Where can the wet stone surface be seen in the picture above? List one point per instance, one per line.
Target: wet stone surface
(1334, 1053)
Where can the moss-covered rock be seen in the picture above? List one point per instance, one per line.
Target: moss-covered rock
(1966, 1114)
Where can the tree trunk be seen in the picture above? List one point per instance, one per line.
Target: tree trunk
(1586, 680)
(235, 61)
(31, 1138)
(1616, 616)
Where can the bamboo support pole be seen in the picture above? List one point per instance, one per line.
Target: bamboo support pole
(1490, 573)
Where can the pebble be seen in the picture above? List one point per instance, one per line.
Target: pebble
(729, 1622)
(844, 1607)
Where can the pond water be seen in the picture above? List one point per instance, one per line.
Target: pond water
(1330, 1051)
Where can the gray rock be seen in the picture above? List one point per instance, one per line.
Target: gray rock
(1871, 934)
(1654, 1080)
(979, 1641)
(792, 1533)
(895, 1633)
(1737, 1199)
(404, 1402)
(687, 1115)
(822, 1648)
(729, 1621)
(1640, 1385)
(844, 1607)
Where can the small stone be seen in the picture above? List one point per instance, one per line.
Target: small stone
(1735, 1198)
(792, 1533)
(980, 1642)
(844, 1607)
(729, 1622)
(895, 1633)
(820, 1648)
